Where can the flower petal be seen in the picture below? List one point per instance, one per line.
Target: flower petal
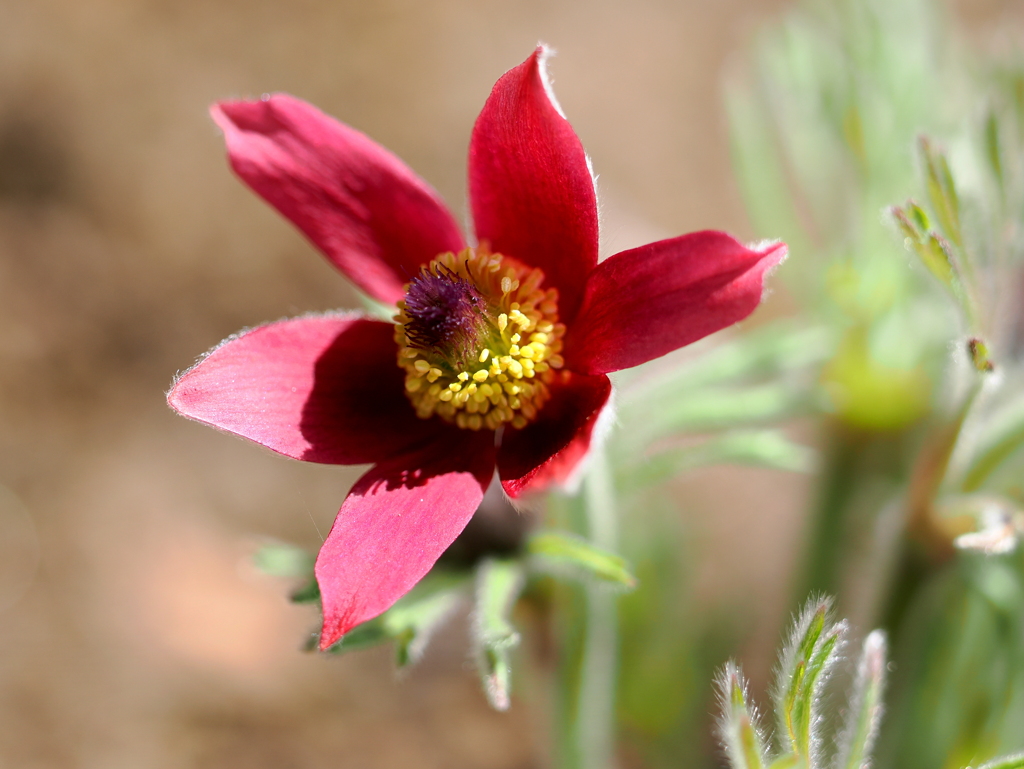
(530, 185)
(319, 388)
(374, 218)
(394, 525)
(643, 303)
(550, 448)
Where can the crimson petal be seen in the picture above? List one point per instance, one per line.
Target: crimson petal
(320, 388)
(394, 525)
(530, 185)
(371, 215)
(548, 449)
(643, 303)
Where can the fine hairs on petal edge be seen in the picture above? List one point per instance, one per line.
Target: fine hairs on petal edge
(545, 53)
(340, 314)
(766, 247)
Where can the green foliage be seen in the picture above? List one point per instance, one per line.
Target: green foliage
(959, 695)
(498, 585)
(1015, 761)
(740, 732)
(279, 559)
(570, 555)
(806, 663)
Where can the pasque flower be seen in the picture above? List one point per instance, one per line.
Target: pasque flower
(499, 353)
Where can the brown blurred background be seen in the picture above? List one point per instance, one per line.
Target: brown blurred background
(132, 631)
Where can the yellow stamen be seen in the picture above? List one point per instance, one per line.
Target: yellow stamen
(513, 383)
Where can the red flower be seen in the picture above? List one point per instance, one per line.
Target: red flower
(499, 354)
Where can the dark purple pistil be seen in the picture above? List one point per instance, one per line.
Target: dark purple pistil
(446, 314)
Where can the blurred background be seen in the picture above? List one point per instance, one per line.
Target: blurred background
(133, 631)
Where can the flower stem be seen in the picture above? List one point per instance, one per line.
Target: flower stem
(594, 728)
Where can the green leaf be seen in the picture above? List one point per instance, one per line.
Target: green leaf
(864, 715)
(759, 353)
(282, 560)
(364, 636)
(717, 409)
(787, 761)
(1016, 761)
(498, 585)
(761, 173)
(738, 729)
(570, 555)
(919, 216)
(941, 190)
(413, 620)
(790, 693)
(758, 448)
(1003, 436)
(308, 593)
(993, 150)
(808, 702)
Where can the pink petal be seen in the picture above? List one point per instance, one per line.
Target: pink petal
(530, 186)
(395, 524)
(548, 449)
(319, 388)
(643, 303)
(374, 218)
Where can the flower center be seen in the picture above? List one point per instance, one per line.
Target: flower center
(478, 339)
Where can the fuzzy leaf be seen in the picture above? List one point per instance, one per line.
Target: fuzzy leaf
(498, 584)
(819, 668)
(937, 257)
(865, 712)
(794, 682)
(413, 620)
(941, 190)
(1016, 761)
(738, 729)
(565, 553)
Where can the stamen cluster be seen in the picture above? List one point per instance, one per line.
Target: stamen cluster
(479, 340)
